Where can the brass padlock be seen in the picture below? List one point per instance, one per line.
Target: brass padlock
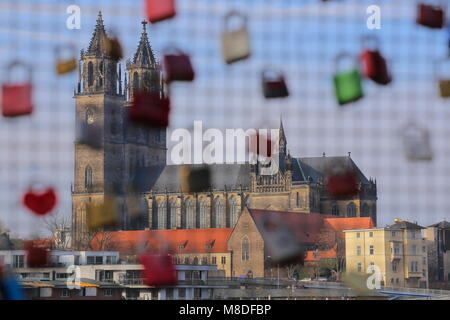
(442, 80)
(67, 65)
(99, 215)
(444, 88)
(235, 43)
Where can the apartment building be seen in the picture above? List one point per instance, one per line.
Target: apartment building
(398, 250)
(438, 239)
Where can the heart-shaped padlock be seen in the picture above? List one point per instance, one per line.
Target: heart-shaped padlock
(40, 202)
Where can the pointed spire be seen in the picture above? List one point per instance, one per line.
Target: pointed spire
(96, 45)
(144, 55)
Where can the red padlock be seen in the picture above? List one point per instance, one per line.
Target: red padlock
(274, 85)
(374, 65)
(158, 10)
(342, 185)
(40, 202)
(17, 97)
(158, 269)
(150, 108)
(178, 66)
(37, 257)
(431, 16)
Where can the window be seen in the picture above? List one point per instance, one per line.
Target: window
(424, 249)
(195, 261)
(358, 235)
(205, 260)
(351, 210)
(98, 260)
(234, 215)
(172, 223)
(245, 249)
(90, 74)
(394, 266)
(358, 250)
(186, 260)
(218, 220)
(18, 261)
(90, 260)
(397, 280)
(110, 260)
(392, 280)
(62, 275)
(162, 215)
(197, 293)
(202, 215)
(393, 234)
(64, 293)
(182, 293)
(88, 177)
(359, 267)
(365, 210)
(298, 199)
(89, 116)
(414, 249)
(214, 261)
(169, 293)
(224, 260)
(424, 273)
(335, 210)
(190, 214)
(370, 234)
(371, 250)
(135, 81)
(424, 260)
(397, 248)
(108, 292)
(414, 266)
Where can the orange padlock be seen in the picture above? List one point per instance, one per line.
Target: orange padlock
(64, 66)
(17, 97)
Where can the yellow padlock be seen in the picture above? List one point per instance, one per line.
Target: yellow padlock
(66, 66)
(99, 215)
(444, 88)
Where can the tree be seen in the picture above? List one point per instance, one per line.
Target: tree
(58, 226)
(330, 238)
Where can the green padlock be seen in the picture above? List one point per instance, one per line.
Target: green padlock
(348, 83)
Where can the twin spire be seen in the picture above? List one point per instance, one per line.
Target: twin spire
(143, 57)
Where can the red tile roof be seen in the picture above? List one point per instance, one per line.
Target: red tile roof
(41, 243)
(314, 256)
(340, 224)
(178, 241)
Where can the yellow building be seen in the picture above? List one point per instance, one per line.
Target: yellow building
(398, 250)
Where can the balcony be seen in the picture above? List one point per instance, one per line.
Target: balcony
(414, 274)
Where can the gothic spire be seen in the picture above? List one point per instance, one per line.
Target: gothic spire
(96, 45)
(282, 137)
(144, 55)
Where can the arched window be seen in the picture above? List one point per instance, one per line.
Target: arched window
(89, 116)
(162, 215)
(135, 81)
(202, 215)
(218, 219)
(351, 210)
(195, 260)
(245, 249)
(335, 210)
(190, 214)
(100, 71)
(234, 215)
(172, 223)
(88, 177)
(90, 74)
(365, 210)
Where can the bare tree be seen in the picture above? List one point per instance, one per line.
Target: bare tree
(57, 221)
(329, 239)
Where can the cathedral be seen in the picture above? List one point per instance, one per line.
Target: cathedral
(102, 100)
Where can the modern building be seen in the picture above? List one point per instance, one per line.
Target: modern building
(130, 153)
(438, 239)
(190, 247)
(398, 250)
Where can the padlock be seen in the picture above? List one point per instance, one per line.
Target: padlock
(342, 185)
(100, 215)
(235, 43)
(40, 202)
(158, 270)
(443, 81)
(416, 143)
(17, 97)
(113, 47)
(177, 66)
(158, 10)
(64, 66)
(37, 257)
(282, 244)
(373, 64)
(348, 83)
(274, 85)
(150, 108)
(431, 16)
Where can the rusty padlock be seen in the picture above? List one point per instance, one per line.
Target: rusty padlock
(65, 65)
(274, 84)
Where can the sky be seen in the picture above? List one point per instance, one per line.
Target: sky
(301, 38)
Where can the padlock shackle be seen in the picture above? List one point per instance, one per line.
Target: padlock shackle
(278, 74)
(344, 55)
(230, 15)
(17, 63)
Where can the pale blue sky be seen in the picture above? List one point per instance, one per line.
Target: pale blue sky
(300, 37)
